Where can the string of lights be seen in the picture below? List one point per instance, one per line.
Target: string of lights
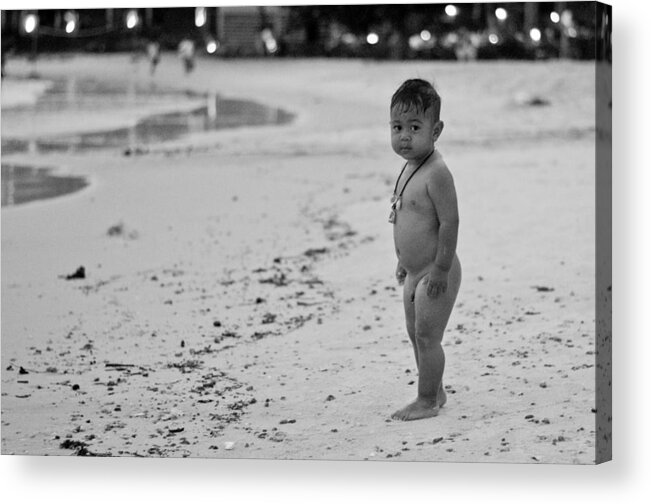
(521, 30)
(30, 25)
(88, 32)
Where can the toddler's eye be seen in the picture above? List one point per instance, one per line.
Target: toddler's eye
(415, 128)
(396, 128)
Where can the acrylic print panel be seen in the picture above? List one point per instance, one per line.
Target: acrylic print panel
(196, 258)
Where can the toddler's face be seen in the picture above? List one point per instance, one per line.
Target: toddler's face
(413, 133)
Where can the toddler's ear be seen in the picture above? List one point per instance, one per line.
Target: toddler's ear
(437, 130)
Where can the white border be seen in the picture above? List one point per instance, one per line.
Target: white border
(626, 479)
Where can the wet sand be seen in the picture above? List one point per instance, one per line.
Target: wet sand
(239, 298)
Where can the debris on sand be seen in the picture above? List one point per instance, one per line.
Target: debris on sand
(313, 252)
(279, 279)
(241, 404)
(79, 274)
(186, 366)
(116, 229)
(336, 230)
(118, 365)
(524, 99)
(120, 229)
(138, 150)
(81, 449)
(258, 335)
(278, 436)
(542, 288)
(226, 334)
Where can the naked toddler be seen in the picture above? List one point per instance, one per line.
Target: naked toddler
(425, 223)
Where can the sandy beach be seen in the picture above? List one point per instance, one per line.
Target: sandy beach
(246, 307)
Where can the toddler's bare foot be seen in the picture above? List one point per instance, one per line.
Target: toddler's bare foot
(442, 397)
(420, 408)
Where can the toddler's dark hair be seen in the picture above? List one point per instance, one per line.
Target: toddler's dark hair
(418, 94)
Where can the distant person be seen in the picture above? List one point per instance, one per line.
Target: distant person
(153, 54)
(186, 53)
(425, 222)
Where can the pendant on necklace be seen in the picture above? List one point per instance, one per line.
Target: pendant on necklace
(396, 203)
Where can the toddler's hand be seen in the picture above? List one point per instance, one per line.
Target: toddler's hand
(401, 274)
(437, 282)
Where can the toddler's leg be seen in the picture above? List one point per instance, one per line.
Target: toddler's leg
(410, 311)
(431, 317)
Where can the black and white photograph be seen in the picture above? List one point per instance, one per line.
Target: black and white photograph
(354, 232)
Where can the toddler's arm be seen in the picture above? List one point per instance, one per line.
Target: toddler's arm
(401, 274)
(443, 195)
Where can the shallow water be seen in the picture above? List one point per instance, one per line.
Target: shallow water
(96, 97)
(21, 184)
(219, 113)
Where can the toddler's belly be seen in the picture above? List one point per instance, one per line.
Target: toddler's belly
(415, 247)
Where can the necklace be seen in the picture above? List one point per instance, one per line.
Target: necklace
(396, 199)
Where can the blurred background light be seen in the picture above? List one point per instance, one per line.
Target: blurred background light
(270, 44)
(30, 23)
(426, 34)
(200, 16)
(535, 34)
(211, 46)
(423, 41)
(71, 21)
(566, 18)
(348, 38)
(132, 19)
(451, 10)
(450, 40)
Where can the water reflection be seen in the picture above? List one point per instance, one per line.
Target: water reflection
(217, 113)
(21, 184)
(76, 94)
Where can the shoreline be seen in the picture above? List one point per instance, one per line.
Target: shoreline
(204, 221)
